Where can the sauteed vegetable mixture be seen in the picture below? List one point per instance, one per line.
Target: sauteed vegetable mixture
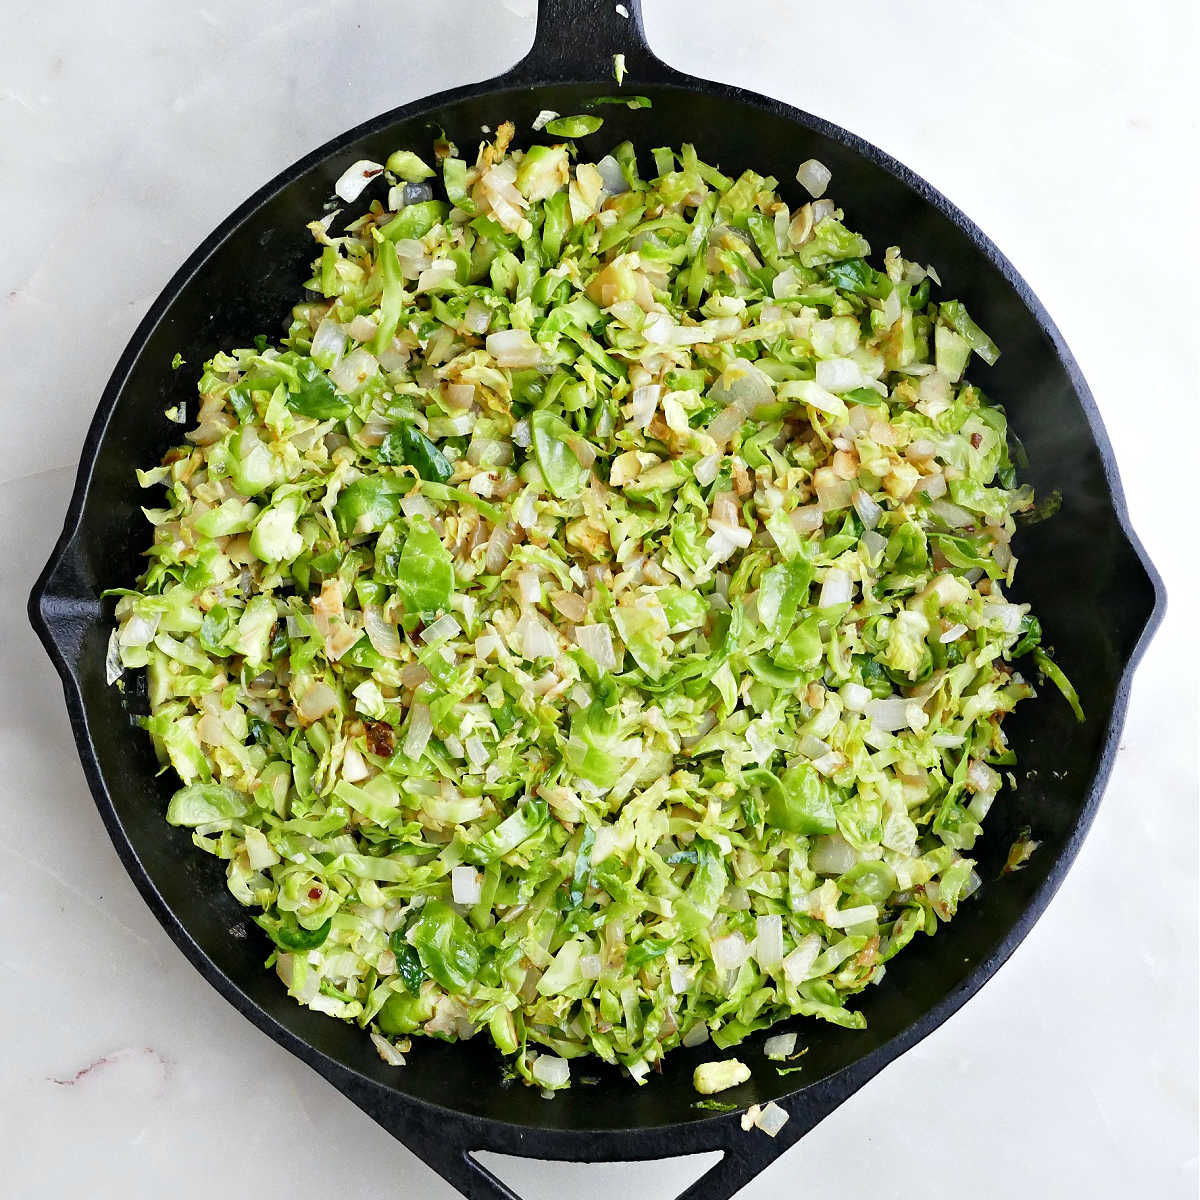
(587, 626)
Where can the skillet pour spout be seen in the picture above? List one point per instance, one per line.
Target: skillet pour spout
(1098, 597)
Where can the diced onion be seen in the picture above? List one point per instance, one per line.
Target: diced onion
(476, 751)
(645, 403)
(787, 281)
(459, 395)
(725, 539)
(514, 348)
(855, 697)
(411, 255)
(720, 328)
(536, 640)
(706, 469)
(416, 505)
(584, 451)
(414, 674)
(868, 511)
(768, 942)
(443, 628)
(524, 511)
(329, 339)
(829, 762)
(846, 918)
(439, 272)
(138, 631)
(486, 645)
(836, 588)
(612, 175)
(355, 178)
(681, 979)
(822, 209)
(551, 1071)
(596, 642)
(696, 1036)
(317, 701)
(780, 1046)
(839, 375)
(570, 604)
(354, 370)
(354, 768)
(285, 968)
(874, 543)
(832, 855)
(807, 519)
(500, 544)
(798, 964)
(782, 221)
(933, 394)
(383, 635)
(891, 308)
(981, 777)
(465, 885)
(420, 728)
(952, 514)
(888, 715)
(743, 385)
(529, 588)
(772, 1118)
(833, 493)
(730, 951)
(112, 660)
(477, 316)
(1005, 616)
(725, 424)
(814, 177)
(387, 1051)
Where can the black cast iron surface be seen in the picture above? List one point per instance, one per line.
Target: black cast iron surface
(1098, 597)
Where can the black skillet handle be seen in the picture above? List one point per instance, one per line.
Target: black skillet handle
(447, 1142)
(577, 39)
(58, 610)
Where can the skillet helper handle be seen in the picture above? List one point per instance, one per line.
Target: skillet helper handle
(61, 608)
(447, 1144)
(576, 39)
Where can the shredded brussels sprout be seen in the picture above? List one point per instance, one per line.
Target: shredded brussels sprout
(588, 625)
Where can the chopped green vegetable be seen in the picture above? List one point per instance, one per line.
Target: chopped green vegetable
(589, 625)
(574, 127)
(407, 165)
(565, 476)
(408, 445)
(713, 1077)
(1054, 673)
(633, 102)
(425, 573)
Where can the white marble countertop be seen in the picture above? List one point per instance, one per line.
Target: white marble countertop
(128, 131)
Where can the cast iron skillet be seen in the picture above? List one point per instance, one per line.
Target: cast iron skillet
(1088, 578)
